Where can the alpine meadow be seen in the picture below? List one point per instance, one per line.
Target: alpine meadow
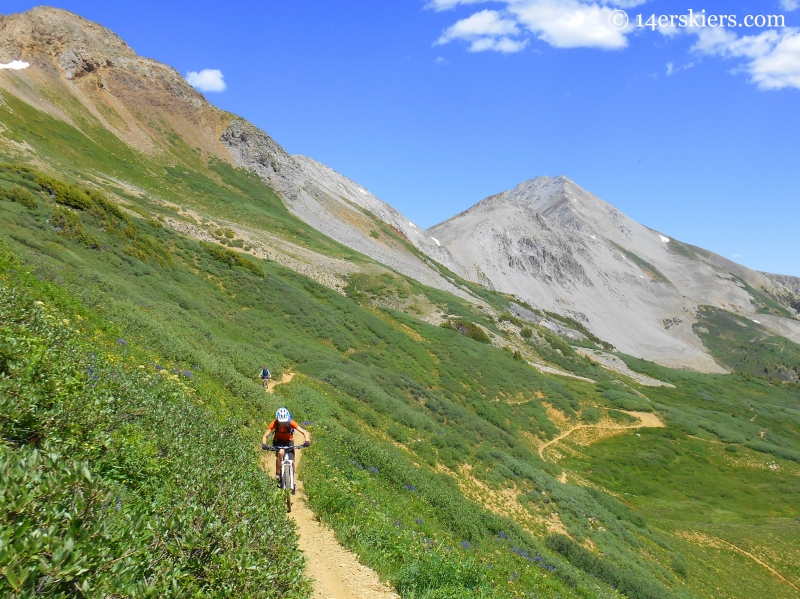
(471, 439)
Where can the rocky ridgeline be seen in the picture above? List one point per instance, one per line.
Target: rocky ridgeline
(330, 203)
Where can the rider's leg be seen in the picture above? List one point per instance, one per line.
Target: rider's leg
(278, 460)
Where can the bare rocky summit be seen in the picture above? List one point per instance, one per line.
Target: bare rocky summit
(138, 99)
(562, 249)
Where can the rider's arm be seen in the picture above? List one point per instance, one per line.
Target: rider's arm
(305, 433)
(267, 433)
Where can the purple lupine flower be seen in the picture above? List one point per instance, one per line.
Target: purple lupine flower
(521, 553)
(502, 535)
(465, 544)
(306, 423)
(419, 521)
(410, 487)
(122, 342)
(158, 367)
(188, 374)
(372, 470)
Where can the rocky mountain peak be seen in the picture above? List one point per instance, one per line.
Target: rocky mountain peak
(76, 45)
(57, 42)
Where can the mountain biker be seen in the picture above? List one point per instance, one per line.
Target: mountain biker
(265, 376)
(283, 427)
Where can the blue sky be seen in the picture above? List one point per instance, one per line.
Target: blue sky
(435, 104)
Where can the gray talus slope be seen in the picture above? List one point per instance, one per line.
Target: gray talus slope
(335, 205)
(563, 249)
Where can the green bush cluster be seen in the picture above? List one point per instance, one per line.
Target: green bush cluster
(231, 258)
(69, 223)
(470, 329)
(623, 400)
(21, 195)
(633, 584)
(591, 415)
(117, 482)
(86, 215)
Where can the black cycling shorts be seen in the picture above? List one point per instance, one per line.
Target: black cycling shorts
(290, 452)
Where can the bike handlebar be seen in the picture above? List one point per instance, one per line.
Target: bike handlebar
(274, 448)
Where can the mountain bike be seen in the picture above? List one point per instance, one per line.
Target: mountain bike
(287, 471)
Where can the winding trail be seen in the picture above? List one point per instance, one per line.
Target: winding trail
(286, 377)
(646, 420)
(335, 571)
(718, 543)
(759, 562)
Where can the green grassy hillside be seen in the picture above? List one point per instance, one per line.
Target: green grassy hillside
(409, 418)
(132, 412)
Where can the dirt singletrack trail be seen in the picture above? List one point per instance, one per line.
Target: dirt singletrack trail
(335, 571)
(760, 563)
(285, 378)
(646, 420)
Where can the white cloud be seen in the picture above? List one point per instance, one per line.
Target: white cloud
(442, 62)
(207, 80)
(672, 69)
(485, 30)
(15, 65)
(569, 23)
(560, 23)
(481, 24)
(504, 44)
(737, 255)
(772, 58)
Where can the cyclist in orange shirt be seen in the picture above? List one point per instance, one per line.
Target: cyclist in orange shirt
(283, 428)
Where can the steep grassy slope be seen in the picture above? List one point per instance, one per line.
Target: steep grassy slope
(117, 480)
(410, 419)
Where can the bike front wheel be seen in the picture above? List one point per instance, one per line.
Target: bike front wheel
(286, 481)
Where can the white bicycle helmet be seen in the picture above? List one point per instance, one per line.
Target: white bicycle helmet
(283, 415)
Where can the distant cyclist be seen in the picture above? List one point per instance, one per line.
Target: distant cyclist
(283, 428)
(265, 376)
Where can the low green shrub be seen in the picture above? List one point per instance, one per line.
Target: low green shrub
(21, 195)
(470, 329)
(590, 415)
(634, 584)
